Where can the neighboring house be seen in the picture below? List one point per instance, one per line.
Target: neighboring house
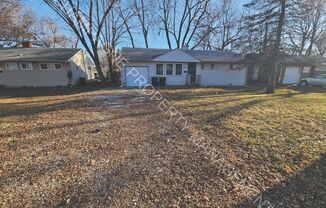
(184, 67)
(41, 67)
(91, 70)
(291, 69)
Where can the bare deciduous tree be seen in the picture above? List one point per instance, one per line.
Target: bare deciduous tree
(305, 26)
(146, 16)
(182, 20)
(47, 33)
(113, 33)
(16, 23)
(86, 19)
(127, 13)
(265, 24)
(223, 25)
(321, 44)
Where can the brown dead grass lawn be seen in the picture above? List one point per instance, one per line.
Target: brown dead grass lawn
(114, 148)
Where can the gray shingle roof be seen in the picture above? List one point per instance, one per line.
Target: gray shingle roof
(37, 54)
(287, 59)
(295, 59)
(142, 54)
(148, 54)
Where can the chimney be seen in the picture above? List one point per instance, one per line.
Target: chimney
(27, 44)
(185, 47)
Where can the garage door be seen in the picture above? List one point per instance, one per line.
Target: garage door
(292, 75)
(136, 76)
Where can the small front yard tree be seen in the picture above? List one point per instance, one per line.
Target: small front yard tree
(87, 20)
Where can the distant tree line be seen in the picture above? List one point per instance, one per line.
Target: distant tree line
(19, 23)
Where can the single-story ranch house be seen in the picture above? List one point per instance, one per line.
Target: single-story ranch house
(184, 67)
(42, 67)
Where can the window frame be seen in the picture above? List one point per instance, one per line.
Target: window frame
(11, 69)
(51, 66)
(47, 66)
(166, 69)
(156, 68)
(176, 69)
(61, 66)
(28, 64)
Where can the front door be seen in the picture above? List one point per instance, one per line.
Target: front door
(192, 72)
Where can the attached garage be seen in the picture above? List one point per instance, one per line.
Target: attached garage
(292, 75)
(136, 76)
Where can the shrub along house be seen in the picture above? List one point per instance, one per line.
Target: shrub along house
(41, 67)
(291, 69)
(184, 67)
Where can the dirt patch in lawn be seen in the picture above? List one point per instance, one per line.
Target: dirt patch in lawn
(115, 148)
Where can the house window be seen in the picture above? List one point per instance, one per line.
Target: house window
(12, 66)
(178, 69)
(202, 66)
(236, 66)
(59, 66)
(51, 66)
(169, 69)
(159, 69)
(44, 66)
(26, 66)
(212, 66)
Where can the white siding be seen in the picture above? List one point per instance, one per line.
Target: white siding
(179, 80)
(44, 78)
(78, 67)
(221, 75)
(35, 77)
(171, 80)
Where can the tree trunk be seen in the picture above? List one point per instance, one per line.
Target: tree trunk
(272, 76)
(111, 69)
(276, 50)
(98, 68)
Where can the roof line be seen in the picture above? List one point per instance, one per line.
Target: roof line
(177, 49)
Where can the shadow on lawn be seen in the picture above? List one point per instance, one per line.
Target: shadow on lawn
(307, 90)
(33, 110)
(81, 123)
(305, 189)
(41, 92)
(215, 115)
(77, 102)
